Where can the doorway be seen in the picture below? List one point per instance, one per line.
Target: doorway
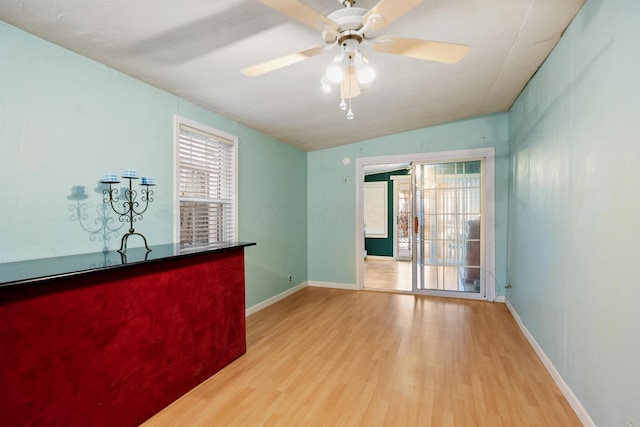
(447, 201)
(387, 227)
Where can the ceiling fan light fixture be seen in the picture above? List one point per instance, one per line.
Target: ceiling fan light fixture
(325, 84)
(334, 73)
(335, 70)
(366, 74)
(350, 28)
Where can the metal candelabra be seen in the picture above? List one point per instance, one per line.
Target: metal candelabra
(131, 207)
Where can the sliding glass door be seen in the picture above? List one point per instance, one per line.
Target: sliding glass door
(448, 227)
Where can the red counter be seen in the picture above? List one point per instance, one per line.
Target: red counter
(114, 346)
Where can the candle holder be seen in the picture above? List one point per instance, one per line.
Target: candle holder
(131, 211)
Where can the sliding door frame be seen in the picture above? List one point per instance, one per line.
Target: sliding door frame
(441, 156)
(397, 181)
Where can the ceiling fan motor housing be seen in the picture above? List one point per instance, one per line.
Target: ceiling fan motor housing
(347, 3)
(348, 19)
(349, 44)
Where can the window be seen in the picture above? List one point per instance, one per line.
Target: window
(206, 161)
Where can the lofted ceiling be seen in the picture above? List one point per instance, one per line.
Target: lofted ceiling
(195, 49)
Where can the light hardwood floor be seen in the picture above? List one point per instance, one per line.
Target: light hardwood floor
(329, 357)
(387, 274)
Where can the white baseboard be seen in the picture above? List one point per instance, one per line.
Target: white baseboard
(582, 413)
(501, 298)
(334, 285)
(380, 258)
(266, 303)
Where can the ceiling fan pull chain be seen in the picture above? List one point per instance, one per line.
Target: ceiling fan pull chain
(350, 113)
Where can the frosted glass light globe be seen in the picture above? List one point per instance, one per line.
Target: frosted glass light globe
(334, 73)
(366, 74)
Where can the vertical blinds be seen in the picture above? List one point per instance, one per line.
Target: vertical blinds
(206, 187)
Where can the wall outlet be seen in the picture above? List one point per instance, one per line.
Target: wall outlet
(290, 279)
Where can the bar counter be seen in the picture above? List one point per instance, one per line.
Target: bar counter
(109, 339)
(47, 269)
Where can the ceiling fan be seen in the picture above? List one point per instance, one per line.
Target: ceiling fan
(348, 28)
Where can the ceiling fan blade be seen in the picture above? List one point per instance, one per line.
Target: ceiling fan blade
(422, 49)
(349, 87)
(282, 62)
(303, 13)
(389, 10)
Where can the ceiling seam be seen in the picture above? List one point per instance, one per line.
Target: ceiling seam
(515, 41)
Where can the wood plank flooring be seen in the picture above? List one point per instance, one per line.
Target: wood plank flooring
(387, 274)
(329, 357)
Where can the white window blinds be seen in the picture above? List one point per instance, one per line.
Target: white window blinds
(206, 185)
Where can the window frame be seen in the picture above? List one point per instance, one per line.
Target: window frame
(216, 134)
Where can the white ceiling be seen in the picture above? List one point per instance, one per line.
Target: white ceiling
(195, 49)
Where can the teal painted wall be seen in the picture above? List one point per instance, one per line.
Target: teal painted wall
(573, 238)
(66, 120)
(332, 190)
(572, 199)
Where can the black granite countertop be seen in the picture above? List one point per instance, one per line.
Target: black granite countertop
(42, 270)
